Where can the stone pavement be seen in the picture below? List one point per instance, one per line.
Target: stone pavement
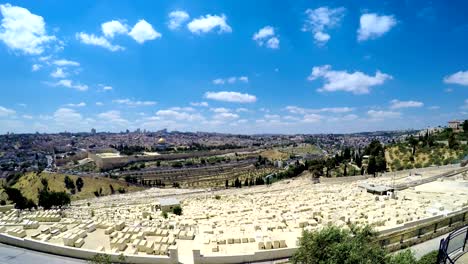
(14, 255)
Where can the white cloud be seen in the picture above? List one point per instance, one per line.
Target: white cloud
(241, 109)
(231, 80)
(134, 103)
(204, 104)
(177, 18)
(82, 104)
(6, 112)
(266, 35)
(58, 73)
(335, 110)
(143, 31)
(373, 26)
(460, 78)
(220, 110)
(91, 39)
(64, 62)
(69, 84)
(320, 19)
(114, 117)
(380, 115)
(169, 114)
(113, 28)
(36, 67)
(27, 116)
(107, 88)
(205, 24)
(233, 97)
(67, 116)
(99, 104)
(396, 104)
(312, 118)
(23, 31)
(225, 116)
(356, 82)
(273, 43)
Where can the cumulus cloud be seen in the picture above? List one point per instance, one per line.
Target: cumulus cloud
(177, 18)
(225, 116)
(396, 104)
(380, 115)
(170, 114)
(58, 73)
(301, 110)
(356, 82)
(321, 19)
(113, 117)
(134, 103)
(91, 39)
(266, 35)
(113, 28)
(70, 84)
(205, 24)
(220, 110)
(204, 104)
(372, 26)
(143, 31)
(64, 62)
(82, 104)
(231, 80)
(23, 31)
(233, 97)
(36, 67)
(460, 78)
(6, 112)
(67, 116)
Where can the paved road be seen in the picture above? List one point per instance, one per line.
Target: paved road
(14, 255)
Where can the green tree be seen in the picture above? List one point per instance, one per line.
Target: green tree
(18, 199)
(334, 245)
(79, 184)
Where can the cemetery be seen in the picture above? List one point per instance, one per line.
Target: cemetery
(230, 225)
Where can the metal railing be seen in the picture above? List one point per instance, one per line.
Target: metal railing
(453, 246)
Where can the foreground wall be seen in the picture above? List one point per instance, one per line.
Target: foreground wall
(85, 253)
(263, 255)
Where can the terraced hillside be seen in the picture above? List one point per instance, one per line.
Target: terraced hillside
(400, 156)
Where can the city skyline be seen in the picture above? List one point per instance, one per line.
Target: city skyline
(301, 67)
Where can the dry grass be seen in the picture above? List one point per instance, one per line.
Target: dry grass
(30, 184)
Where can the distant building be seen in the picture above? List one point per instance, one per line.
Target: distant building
(456, 125)
(161, 144)
(93, 131)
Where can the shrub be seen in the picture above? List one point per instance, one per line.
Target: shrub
(217, 197)
(429, 258)
(164, 214)
(177, 210)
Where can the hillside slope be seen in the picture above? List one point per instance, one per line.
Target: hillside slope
(30, 184)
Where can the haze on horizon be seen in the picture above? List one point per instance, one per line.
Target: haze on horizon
(232, 67)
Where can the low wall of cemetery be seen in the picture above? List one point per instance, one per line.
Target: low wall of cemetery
(263, 255)
(85, 253)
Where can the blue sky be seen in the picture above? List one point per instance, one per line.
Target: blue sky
(231, 66)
